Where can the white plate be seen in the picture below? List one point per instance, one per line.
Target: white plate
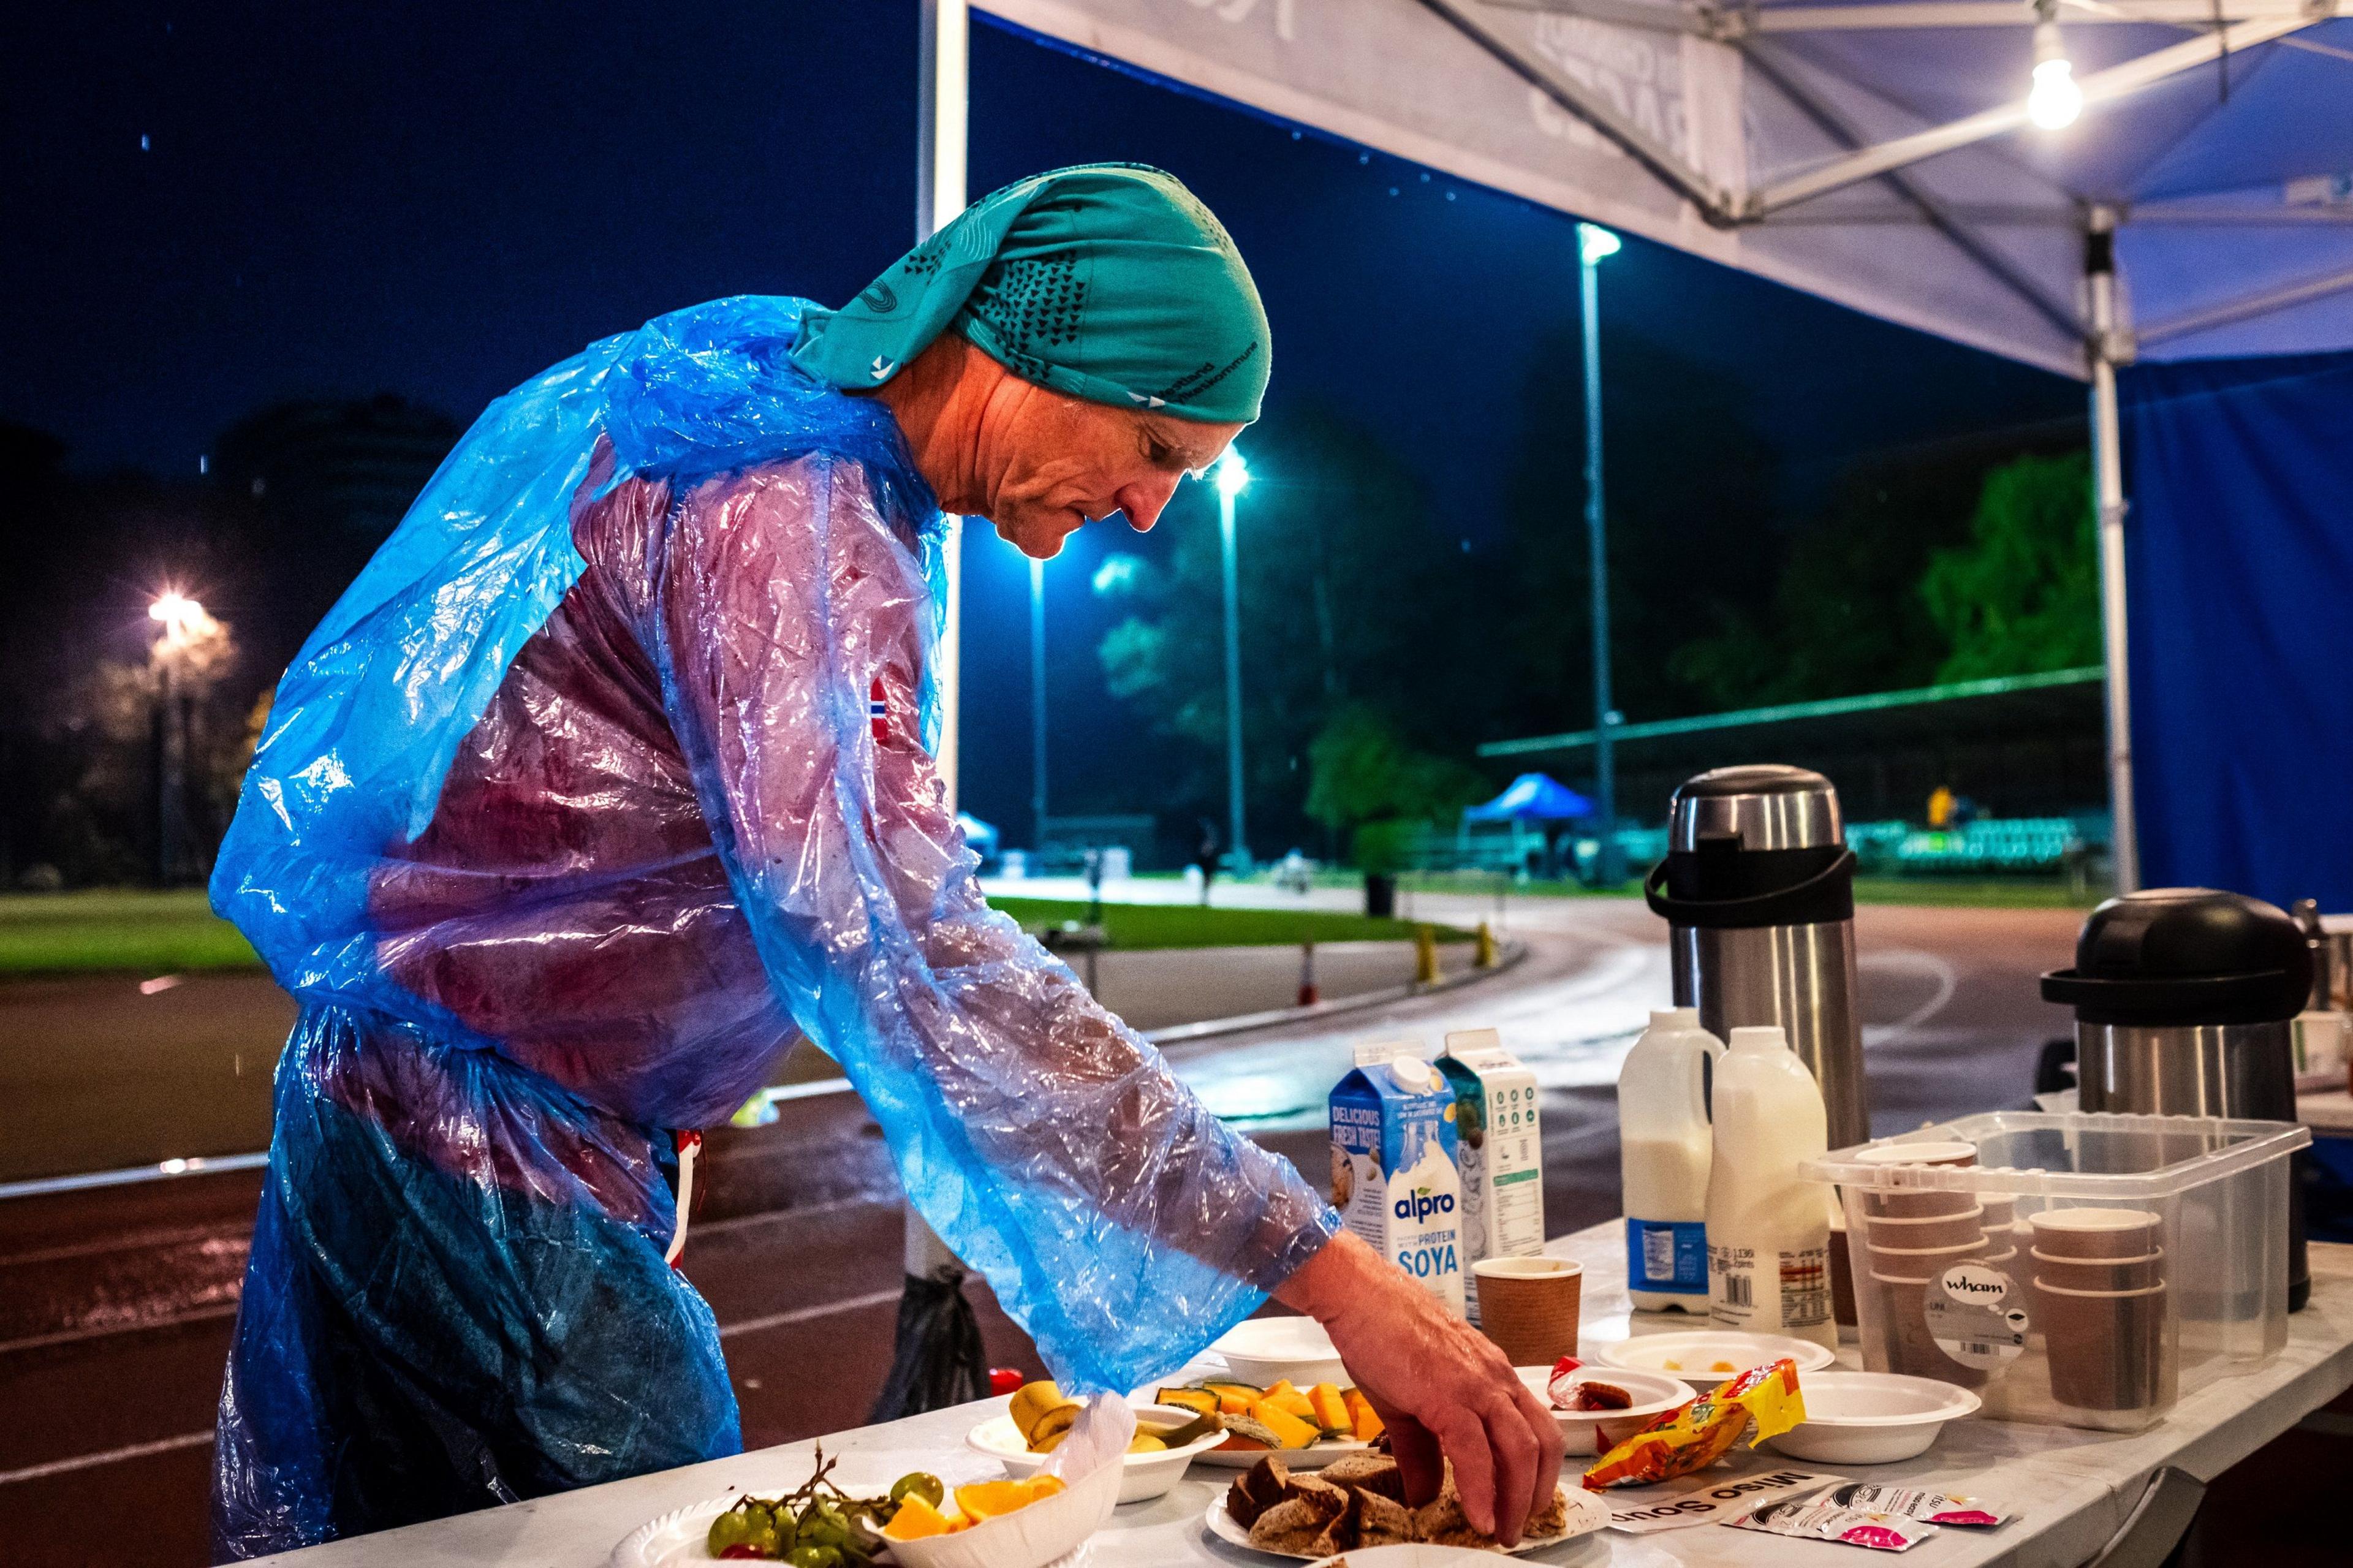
(1421, 1554)
(1587, 1513)
(1265, 1350)
(1315, 1456)
(1591, 1432)
(676, 1538)
(1700, 1349)
(1872, 1417)
(1148, 1476)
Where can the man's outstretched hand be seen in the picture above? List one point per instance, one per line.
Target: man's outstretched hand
(1441, 1387)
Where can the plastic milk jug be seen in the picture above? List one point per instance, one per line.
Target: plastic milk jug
(1393, 1166)
(1498, 1150)
(1664, 1147)
(1767, 1230)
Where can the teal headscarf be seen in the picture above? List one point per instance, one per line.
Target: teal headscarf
(1110, 282)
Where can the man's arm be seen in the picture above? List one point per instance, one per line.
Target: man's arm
(1116, 1219)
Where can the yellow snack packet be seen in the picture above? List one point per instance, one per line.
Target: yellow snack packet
(1762, 1402)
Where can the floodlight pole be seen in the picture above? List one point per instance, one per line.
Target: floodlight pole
(1038, 701)
(1237, 846)
(942, 111)
(942, 106)
(2108, 496)
(1609, 867)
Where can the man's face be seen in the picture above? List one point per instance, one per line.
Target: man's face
(1057, 463)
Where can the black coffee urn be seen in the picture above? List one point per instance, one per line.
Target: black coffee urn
(2183, 1000)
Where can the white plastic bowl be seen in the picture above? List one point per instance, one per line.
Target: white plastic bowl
(1697, 1352)
(1265, 1350)
(1587, 1432)
(1044, 1532)
(1143, 1476)
(1871, 1417)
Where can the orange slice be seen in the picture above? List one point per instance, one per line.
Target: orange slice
(916, 1519)
(985, 1500)
(1043, 1486)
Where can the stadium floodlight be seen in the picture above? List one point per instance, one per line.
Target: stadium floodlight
(1232, 473)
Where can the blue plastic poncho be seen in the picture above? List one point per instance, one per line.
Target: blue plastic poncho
(608, 774)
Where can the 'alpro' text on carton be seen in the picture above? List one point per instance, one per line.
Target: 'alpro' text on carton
(1393, 1167)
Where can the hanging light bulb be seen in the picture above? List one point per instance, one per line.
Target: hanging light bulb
(2055, 98)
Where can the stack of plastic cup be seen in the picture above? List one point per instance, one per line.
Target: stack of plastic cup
(2101, 1300)
(1909, 1239)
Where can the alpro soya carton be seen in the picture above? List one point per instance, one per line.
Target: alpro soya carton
(1499, 1151)
(1393, 1174)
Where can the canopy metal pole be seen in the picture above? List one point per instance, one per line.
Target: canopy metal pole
(2108, 495)
(942, 111)
(938, 1358)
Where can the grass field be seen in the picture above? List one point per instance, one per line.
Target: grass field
(1137, 926)
(132, 931)
(117, 930)
(1980, 892)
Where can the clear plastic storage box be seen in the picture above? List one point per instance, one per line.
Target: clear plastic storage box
(2082, 1269)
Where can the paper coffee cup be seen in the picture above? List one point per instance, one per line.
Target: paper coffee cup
(1933, 1230)
(1529, 1306)
(2106, 1347)
(2100, 1274)
(2094, 1232)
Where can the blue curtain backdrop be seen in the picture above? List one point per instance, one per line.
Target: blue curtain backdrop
(2239, 573)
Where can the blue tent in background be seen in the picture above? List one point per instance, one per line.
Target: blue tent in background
(1532, 798)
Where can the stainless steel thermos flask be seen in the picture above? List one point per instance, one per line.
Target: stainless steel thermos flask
(2183, 998)
(1757, 890)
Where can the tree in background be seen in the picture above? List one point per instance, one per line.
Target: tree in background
(1363, 772)
(1350, 594)
(1846, 614)
(2024, 594)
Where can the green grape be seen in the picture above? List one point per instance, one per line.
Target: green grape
(921, 1483)
(823, 1525)
(730, 1529)
(815, 1557)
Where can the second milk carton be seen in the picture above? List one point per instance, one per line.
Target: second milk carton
(1499, 1152)
(1393, 1172)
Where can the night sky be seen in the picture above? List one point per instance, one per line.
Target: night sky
(215, 207)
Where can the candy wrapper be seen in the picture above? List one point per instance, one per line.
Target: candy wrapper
(1822, 1517)
(1761, 1403)
(1929, 1508)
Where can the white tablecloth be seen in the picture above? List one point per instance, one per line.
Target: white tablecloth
(2073, 1488)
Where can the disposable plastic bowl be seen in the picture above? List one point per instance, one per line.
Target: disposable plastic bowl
(1031, 1537)
(1871, 1417)
(1265, 1350)
(1697, 1354)
(1587, 1432)
(1144, 1475)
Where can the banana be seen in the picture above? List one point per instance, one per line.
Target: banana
(1041, 1414)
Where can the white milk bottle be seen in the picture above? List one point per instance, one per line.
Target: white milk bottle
(1767, 1230)
(1664, 1149)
